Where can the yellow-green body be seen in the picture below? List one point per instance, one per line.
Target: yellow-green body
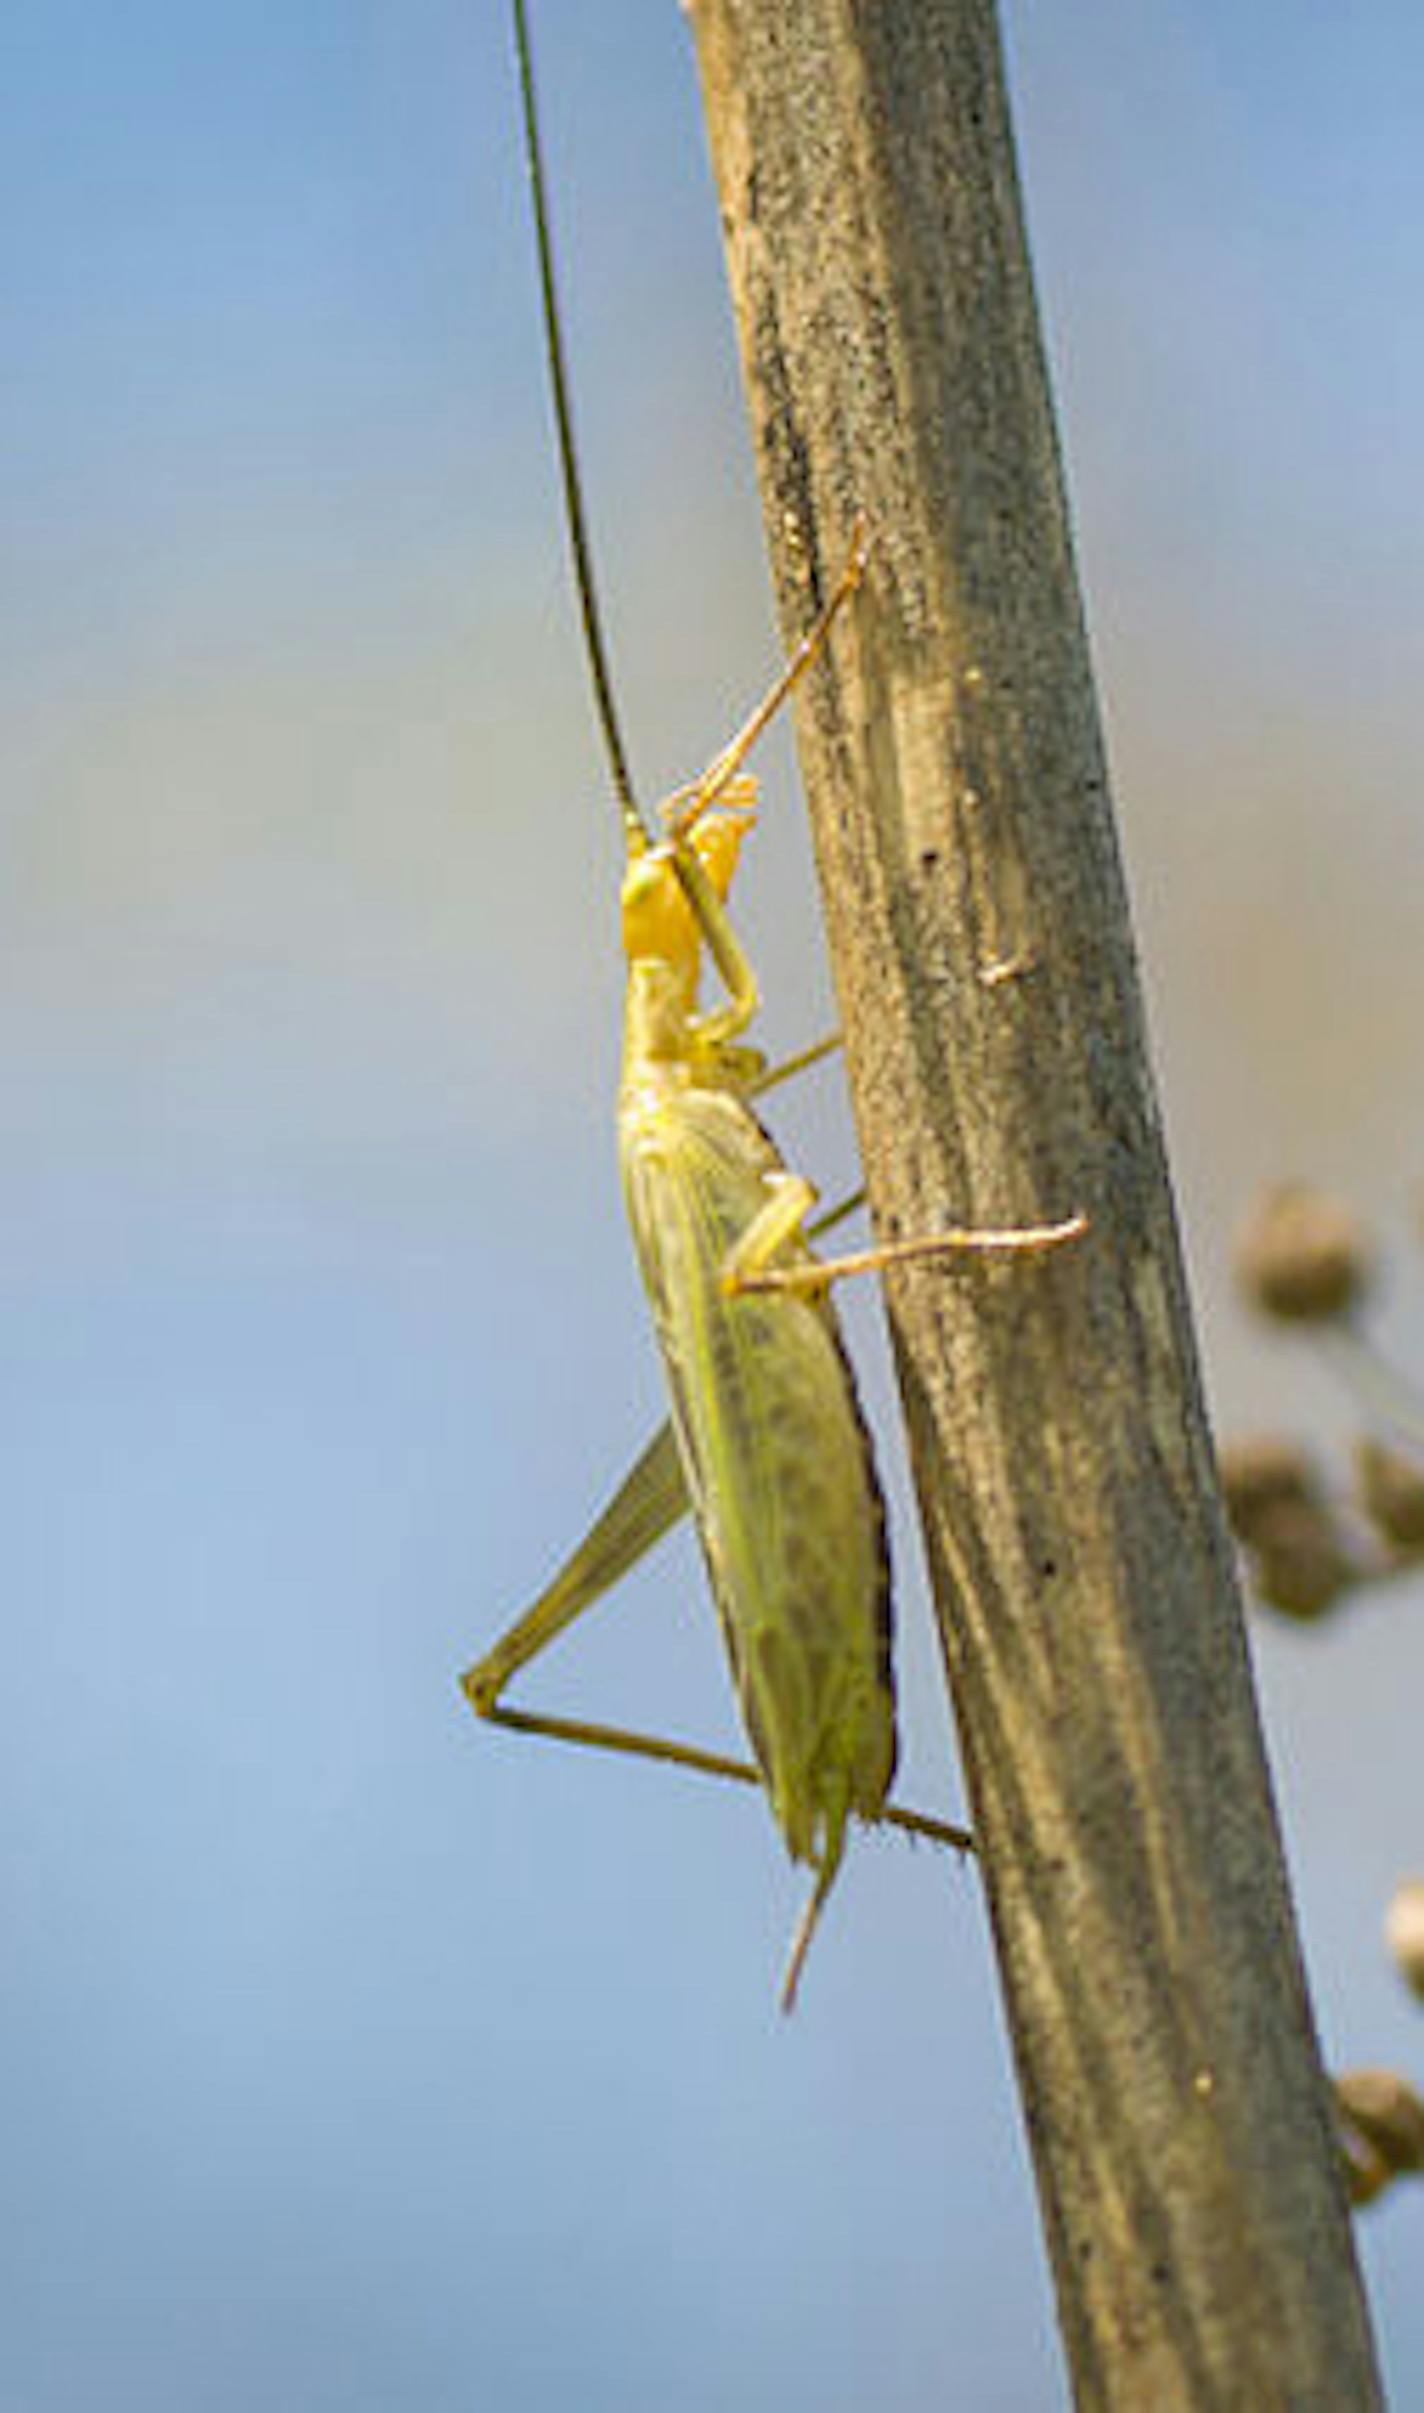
(766, 1445)
(774, 1453)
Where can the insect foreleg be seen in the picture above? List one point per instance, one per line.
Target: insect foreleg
(723, 787)
(719, 1028)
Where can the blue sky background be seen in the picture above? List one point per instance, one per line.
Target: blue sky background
(349, 2056)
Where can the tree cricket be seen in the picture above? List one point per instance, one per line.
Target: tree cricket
(765, 1444)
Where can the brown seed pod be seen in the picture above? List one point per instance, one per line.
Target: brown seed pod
(1390, 1486)
(1302, 1257)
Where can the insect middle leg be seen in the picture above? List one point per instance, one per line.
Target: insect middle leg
(751, 1264)
(771, 1076)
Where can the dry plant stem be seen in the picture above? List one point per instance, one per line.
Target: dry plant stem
(1180, 2122)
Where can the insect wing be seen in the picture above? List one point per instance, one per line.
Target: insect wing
(778, 1466)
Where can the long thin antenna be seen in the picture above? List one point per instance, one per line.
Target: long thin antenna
(633, 821)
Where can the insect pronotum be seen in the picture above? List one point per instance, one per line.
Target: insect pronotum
(765, 1444)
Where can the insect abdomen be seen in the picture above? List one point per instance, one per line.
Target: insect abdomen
(778, 1467)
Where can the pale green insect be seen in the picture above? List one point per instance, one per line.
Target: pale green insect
(766, 1443)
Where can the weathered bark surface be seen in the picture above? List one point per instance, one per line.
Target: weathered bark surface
(978, 928)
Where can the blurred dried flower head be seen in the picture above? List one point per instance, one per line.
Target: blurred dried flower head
(1390, 1485)
(1303, 1257)
(1303, 1567)
(1381, 2130)
(1301, 1561)
(1262, 1475)
(1404, 1932)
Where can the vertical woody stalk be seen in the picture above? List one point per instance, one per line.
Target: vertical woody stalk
(1178, 2116)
